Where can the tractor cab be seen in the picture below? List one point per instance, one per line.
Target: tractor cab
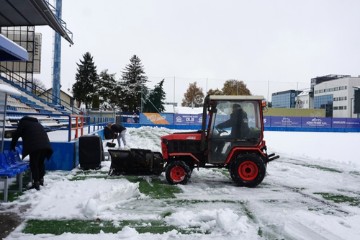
(233, 122)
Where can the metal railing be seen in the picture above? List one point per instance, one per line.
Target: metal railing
(35, 91)
(70, 123)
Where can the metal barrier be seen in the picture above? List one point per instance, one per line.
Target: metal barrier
(65, 122)
(79, 125)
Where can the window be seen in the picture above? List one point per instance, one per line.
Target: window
(322, 100)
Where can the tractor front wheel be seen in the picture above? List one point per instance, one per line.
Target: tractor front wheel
(248, 170)
(177, 172)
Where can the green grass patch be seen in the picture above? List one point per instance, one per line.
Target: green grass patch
(14, 192)
(338, 198)
(79, 178)
(90, 173)
(248, 213)
(154, 187)
(151, 186)
(12, 195)
(185, 202)
(327, 169)
(58, 227)
(355, 173)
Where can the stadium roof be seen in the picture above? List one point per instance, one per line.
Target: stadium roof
(10, 51)
(32, 13)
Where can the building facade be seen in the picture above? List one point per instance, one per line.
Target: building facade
(284, 99)
(304, 100)
(336, 96)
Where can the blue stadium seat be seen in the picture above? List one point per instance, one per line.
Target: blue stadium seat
(14, 160)
(11, 166)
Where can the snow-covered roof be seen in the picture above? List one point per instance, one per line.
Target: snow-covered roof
(304, 92)
(237, 97)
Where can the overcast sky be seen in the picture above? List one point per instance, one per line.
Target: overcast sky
(272, 45)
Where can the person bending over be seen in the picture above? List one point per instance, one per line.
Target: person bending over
(108, 133)
(119, 132)
(36, 143)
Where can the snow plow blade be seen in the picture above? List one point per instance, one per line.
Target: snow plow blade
(110, 144)
(135, 162)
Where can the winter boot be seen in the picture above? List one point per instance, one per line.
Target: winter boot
(35, 185)
(41, 182)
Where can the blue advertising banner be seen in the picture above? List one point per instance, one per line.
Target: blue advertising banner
(346, 123)
(285, 121)
(339, 122)
(267, 121)
(188, 119)
(314, 122)
(129, 118)
(275, 122)
(353, 123)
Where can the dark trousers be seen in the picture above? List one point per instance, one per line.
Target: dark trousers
(37, 165)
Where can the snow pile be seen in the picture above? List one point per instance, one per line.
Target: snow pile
(90, 198)
(224, 221)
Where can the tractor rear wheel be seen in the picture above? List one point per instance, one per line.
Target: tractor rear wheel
(177, 172)
(248, 170)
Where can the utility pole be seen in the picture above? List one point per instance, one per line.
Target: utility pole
(268, 90)
(174, 96)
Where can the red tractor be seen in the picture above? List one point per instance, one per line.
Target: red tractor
(231, 137)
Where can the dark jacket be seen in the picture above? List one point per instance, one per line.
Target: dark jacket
(108, 134)
(238, 122)
(33, 135)
(117, 128)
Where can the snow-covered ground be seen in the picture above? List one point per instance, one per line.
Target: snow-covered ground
(311, 192)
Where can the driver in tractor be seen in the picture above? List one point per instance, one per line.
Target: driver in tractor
(238, 122)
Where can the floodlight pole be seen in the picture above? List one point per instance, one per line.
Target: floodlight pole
(57, 59)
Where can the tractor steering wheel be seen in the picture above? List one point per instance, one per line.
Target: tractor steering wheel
(220, 130)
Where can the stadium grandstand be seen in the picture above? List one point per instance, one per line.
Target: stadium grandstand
(20, 95)
(20, 53)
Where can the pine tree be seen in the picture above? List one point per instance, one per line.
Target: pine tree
(86, 80)
(155, 100)
(194, 96)
(118, 98)
(134, 85)
(106, 89)
(235, 87)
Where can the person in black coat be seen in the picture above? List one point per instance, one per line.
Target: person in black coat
(238, 122)
(108, 133)
(119, 132)
(36, 144)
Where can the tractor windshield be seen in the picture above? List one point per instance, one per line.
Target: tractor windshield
(234, 123)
